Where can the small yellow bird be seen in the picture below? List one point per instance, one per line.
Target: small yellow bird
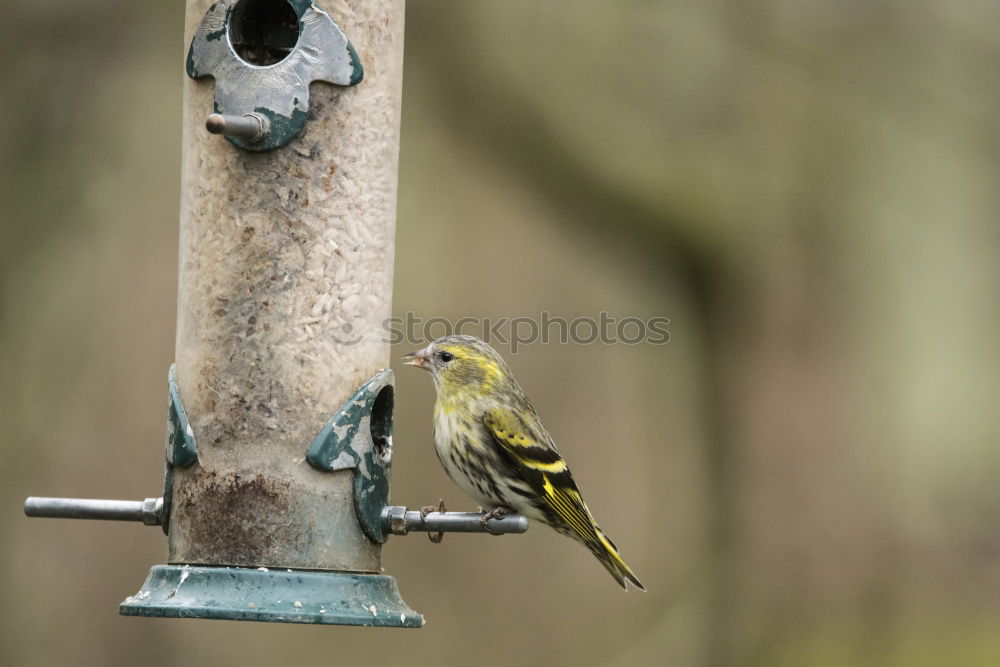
(493, 445)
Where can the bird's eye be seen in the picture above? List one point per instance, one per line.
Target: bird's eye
(447, 356)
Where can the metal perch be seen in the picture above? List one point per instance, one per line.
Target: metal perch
(396, 519)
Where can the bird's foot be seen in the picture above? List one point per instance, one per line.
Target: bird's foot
(427, 509)
(497, 513)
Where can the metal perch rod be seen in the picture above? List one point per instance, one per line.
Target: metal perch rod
(148, 511)
(248, 126)
(398, 520)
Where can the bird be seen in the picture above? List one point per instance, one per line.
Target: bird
(492, 444)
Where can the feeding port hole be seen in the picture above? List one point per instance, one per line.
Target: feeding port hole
(263, 32)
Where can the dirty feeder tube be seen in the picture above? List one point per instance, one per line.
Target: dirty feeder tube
(285, 277)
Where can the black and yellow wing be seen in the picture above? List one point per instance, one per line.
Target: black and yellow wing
(542, 468)
(531, 452)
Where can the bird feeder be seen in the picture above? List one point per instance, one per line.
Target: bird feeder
(279, 440)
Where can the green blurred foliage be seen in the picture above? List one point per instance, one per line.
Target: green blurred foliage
(805, 475)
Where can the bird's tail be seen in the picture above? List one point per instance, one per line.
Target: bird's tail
(607, 553)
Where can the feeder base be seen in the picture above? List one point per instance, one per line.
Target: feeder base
(281, 596)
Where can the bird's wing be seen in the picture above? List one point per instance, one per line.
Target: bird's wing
(542, 468)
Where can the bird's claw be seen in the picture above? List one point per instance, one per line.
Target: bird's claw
(497, 513)
(427, 509)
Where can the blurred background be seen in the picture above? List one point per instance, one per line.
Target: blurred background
(807, 474)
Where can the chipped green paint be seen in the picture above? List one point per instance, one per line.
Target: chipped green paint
(182, 450)
(282, 130)
(273, 595)
(359, 437)
(189, 66)
(211, 54)
(358, 72)
(213, 36)
(221, 32)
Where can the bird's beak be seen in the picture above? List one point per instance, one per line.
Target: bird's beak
(420, 359)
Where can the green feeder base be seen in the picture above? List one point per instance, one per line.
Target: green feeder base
(281, 596)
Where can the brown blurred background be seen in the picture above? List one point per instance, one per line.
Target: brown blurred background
(807, 474)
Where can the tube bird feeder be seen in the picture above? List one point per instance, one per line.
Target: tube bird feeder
(279, 442)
